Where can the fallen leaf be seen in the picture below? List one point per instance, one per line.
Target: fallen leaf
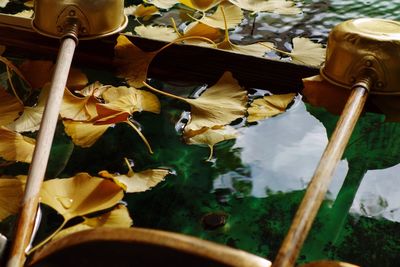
(95, 89)
(118, 217)
(3, 3)
(15, 147)
(273, 6)
(307, 52)
(268, 106)
(200, 29)
(132, 62)
(11, 193)
(234, 16)
(29, 3)
(220, 104)
(163, 4)
(78, 108)
(161, 33)
(10, 107)
(24, 14)
(211, 137)
(201, 5)
(84, 134)
(142, 11)
(137, 182)
(80, 195)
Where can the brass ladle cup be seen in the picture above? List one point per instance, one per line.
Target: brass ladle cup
(362, 55)
(68, 20)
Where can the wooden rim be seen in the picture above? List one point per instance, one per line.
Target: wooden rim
(181, 243)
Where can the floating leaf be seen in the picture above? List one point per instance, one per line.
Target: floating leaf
(11, 193)
(307, 52)
(141, 11)
(84, 134)
(200, 29)
(234, 16)
(15, 147)
(3, 3)
(202, 5)
(10, 107)
(211, 136)
(78, 108)
(80, 195)
(161, 33)
(268, 106)
(137, 182)
(273, 6)
(132, 62)
(118, 217)
(220, 104)
(163, 4)
(24, 14)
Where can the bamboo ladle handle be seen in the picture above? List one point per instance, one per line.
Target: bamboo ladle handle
(318, 186)
(41, 154)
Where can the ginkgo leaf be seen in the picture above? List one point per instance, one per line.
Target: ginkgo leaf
(15, 147)
(268, 106)
(220, 104)
(118, 217)
(202, 5)
(24, 14)
(95, 89)
(3, 3)
(132, 62)
(234, 16)
(78, 108)
(11, 193)
(80, 195)
(273, 6)
(39, 72)
(141, 11)
(84, 134)
(211, 137)
(163, 4)
(137, 182)
(200, 29)
(307, 52)
(29, 3)
(160, 33)
(10, 107)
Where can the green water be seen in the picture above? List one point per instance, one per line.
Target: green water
(253, 184)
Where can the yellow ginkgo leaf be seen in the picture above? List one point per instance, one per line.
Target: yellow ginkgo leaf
(211, 137)
(307, 52)
(220, 104)
(84, 134)
(160, 33)
(141, 11)
(273, 6)
(200, 29)
(95, 89)
(24, 14)
(3, 3)
(118, 217)
(163, 4)
(137, 182)
(132, 63)
(202, 5)
(268, 106)
(80, 195)
(11, 193)
(234, 16)
(10, 107)
(78, 108)
(15, 147)
(29, 3)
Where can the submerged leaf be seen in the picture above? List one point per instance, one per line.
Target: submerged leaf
(160, 33)
(80, 195)
(273, 6)
(118, 217)
(307, 52)
(11, 193)
(10, 107)
(211, 136)
(137, 182)
(15, 147)
(132, 62)
(268, 106)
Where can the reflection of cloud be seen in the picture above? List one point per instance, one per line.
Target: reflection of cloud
(379, 194)
(284, 151)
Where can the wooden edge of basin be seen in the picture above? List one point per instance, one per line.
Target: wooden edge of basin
(328, 263)
(179, 242)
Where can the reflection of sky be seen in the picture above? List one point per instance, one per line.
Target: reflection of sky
(282, 153)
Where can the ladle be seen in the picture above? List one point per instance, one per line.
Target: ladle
(68, 20)
(362, 55)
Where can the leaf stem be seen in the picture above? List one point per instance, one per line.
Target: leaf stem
(276, 49)
(141, 136)
(211, 152)
(164, 93)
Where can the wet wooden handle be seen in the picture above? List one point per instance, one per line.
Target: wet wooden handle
(27, 215)
(318, 186)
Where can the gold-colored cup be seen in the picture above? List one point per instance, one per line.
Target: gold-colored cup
(96, 18)
(364, 47)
